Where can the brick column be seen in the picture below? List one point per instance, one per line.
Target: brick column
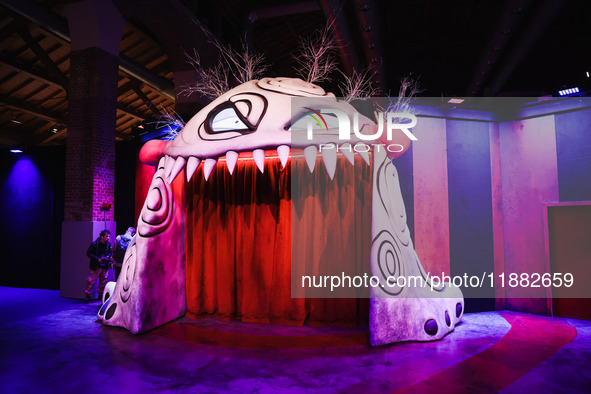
(90, 157)
(95, 29)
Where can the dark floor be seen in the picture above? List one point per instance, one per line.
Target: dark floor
(51, 344)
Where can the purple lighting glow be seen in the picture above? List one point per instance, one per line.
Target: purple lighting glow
(16, 150)
(26, 202)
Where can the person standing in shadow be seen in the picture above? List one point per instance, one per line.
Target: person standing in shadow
(99, 253)
(121, 243)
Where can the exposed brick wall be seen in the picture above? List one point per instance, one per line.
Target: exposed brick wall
(90, 155)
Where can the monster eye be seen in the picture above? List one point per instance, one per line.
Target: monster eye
(225, 122)
(318, 121)
(226, 119)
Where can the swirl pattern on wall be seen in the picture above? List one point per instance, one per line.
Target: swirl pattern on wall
(397, 218)
(128, 272)
(395, 206)
(388, 257)
(157, 213)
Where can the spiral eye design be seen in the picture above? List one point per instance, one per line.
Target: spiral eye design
(226, 120)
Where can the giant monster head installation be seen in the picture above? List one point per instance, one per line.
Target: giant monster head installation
(254, 119)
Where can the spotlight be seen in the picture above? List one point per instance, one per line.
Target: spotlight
(13, 118)
(17, 149)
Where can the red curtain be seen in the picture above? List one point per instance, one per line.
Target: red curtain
(244, 230)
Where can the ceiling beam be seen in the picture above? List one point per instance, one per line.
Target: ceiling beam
(137, 89)
(11, 27)
(125, 88)
(18, 87)
(58, 26)
(127, 123)
(131, 112)
(44, 138)
(32, 110)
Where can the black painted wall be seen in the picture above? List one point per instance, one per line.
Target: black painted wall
(126, 154)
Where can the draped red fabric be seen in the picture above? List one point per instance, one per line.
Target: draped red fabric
(244, 230)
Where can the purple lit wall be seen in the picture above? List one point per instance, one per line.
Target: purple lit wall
(31, 208)
(573, 143)
(470, 206)
(446, 184)
(483, 185)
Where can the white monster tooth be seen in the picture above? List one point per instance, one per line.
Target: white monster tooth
(259, 158)
(348, 152)
(231, 158)
(192, 165)
(208, 167)
(283, 152)
(176, 169)
(364, 155)
(161, 163)
(330, 159)
(311, 152)
(168, 163)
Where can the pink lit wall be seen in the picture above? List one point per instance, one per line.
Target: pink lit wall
(530, 179)
(467, 212)
(497, 213)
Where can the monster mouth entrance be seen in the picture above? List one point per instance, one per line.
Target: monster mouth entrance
(252, 234)
(228, 248)
(231, 238)
(232, 247)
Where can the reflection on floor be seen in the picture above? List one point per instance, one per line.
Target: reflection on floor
(51, 344)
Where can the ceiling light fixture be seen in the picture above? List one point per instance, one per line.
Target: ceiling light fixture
(455, 100)
(568, 92)
(13, 118)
